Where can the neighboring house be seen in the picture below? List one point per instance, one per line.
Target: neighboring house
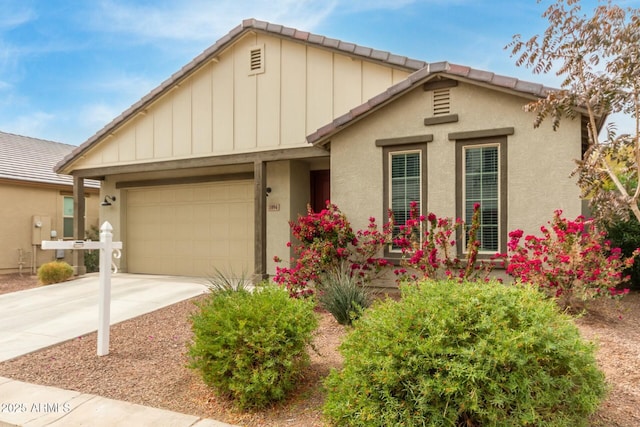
(37, 204)
(209, 167)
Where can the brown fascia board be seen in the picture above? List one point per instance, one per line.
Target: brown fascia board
(214, 50)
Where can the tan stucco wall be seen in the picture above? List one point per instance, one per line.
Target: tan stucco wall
(289, 183)
(20, 204)
(539, 160)
(222, 108)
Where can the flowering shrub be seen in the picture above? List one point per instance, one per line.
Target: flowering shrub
(571, 261)
(428, 245)
(327, 240)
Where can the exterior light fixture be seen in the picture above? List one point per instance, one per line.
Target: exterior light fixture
(108, 200)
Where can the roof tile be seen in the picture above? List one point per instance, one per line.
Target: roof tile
(480, 75)
(315, 39)
(363, 51)
(397, 59)
(301, 35)
(529, 87)
(413, 63)
(347, 47)
(380, 55)
(274, 28)
(360, 109)
(23, 158)
(436, 67)
(328, 42)
(460, 70)
(504, 81)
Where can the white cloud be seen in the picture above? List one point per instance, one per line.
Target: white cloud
(14, 14)
(96, 116)
(203, 19)
(33, 124)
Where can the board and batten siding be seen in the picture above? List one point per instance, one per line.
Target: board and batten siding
(222, 108)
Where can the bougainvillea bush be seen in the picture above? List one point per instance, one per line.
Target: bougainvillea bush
(429, 251)
(325, 240)
(570, 261)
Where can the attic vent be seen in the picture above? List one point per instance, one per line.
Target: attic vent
(256, 60)
(441, 102)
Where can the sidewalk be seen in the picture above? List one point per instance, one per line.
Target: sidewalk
(37, 318)
(30, 405)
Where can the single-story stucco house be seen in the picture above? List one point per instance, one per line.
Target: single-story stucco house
(209, 167)
(38, 204)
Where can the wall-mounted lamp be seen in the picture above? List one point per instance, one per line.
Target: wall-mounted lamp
(268, 191)
(108, 200)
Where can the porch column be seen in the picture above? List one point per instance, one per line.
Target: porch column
(260, 218)
(78, 223)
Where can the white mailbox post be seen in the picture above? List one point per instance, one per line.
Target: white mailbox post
(108, 249)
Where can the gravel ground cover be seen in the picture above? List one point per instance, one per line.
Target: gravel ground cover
(147, 365)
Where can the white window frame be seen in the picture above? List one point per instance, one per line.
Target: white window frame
(498, 201)
(390, 183)
(65, 217)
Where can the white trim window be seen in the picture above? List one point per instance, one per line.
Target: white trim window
(481, 185)
(405, 185)
(67, 217)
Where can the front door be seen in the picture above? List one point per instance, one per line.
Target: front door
(320, 189)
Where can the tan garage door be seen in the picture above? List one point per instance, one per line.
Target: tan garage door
(190, 229)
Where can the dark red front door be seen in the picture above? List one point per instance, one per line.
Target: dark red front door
(320, 189)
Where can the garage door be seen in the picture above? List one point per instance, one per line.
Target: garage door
(190, 229)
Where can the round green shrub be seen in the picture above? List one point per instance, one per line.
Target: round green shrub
(54, 272)
(252, 346)
(470, 354)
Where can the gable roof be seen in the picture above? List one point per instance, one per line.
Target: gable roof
(430, 71)
(422, 72)
(23, 158)
(248, 25)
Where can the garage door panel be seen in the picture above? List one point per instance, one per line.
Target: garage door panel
(191, 229)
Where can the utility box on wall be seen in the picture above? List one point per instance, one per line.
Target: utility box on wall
(40, 229)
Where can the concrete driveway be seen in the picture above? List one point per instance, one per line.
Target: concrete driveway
(37, 318)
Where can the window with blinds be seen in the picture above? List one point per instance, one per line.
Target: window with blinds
(406, 183)
(481, 186)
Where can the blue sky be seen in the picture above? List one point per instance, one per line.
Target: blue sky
(68, 67)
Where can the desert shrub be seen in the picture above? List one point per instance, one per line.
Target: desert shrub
(343, 295)
(625, 234)
(464, 354)
(252, 346)
(54, 272)
(223, 281)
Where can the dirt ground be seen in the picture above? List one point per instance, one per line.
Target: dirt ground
(146, 365)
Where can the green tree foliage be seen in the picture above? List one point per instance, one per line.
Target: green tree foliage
(465, 354)
(598, 58)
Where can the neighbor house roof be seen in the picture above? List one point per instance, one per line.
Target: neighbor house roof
(430, 71)
(23, 158)
(218, 47)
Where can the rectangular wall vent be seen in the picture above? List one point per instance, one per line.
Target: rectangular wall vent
(256, 60)
(441, 102)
